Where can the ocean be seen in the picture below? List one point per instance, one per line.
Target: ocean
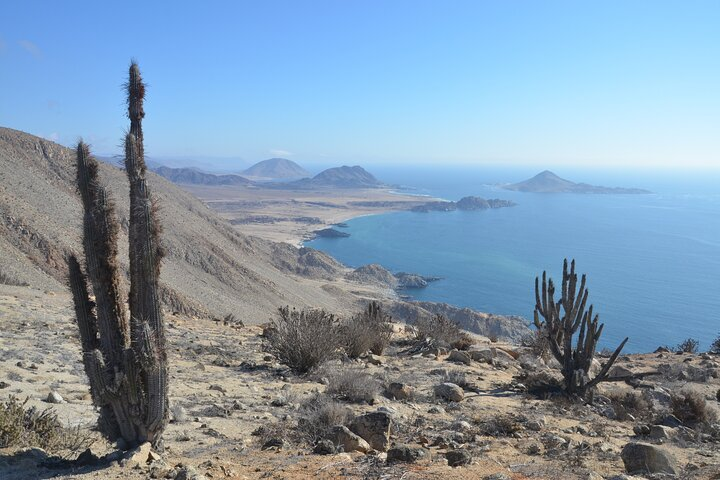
(652, 261)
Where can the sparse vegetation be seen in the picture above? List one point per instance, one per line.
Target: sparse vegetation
(715, 346)
(125, 358)
(691, 408)
(353, 385)
(502, 425)
(439, 331)
(576, 361)
(689, 345)
(630, 405)
(304, 339)
(368, 331)
(318, 415)
(7, 278)
(21, 426)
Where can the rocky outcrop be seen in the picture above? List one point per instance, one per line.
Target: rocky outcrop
(465, 203)
(330, 233)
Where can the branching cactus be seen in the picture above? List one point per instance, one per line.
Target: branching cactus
(124, 357)
(559, 329)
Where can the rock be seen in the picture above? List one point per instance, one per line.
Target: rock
(400, 391)
(374, 359)
(535, 425)
(87, 458)
(484, 355)
(450, 392)
(374, 427)
(618, 371)
(671, 421)
(459, 356)
(497, 476)
(218, 388)
(273, 442)
(139, 456)
(437, 410)
(641, 430)
(347, 440)
(54, 397)
(458, 458)
(461, 426)
(505, 354)
(4, 385)
(325, 447)
(186, 472)
(661, 432)
(403, 453)
(646, 458)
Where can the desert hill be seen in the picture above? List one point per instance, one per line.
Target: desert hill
(339, 177)
(276, 168)
(191, 176)
(210, 269)
(547, 182)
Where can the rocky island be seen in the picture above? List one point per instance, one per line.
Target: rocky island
(548, 182)
(465, 203)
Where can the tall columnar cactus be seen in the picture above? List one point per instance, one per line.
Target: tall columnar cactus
(559, 330)
(125, 359)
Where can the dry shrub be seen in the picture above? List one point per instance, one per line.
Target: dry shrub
(30, 427)
(11, 279)
(689, 345)
(459, 378)
(318, 415)
(691, 408)
(303, 339)
(541, 384)
(715, 346)
(538, 343)
(501, 425)
(368, 331)
(627, 404)
(353, 385)
(440, 331)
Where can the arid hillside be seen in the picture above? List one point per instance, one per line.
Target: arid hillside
(209, 270)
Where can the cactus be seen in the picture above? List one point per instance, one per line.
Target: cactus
(125, 359)
(559, 330)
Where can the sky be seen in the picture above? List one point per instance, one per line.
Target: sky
(507, 82)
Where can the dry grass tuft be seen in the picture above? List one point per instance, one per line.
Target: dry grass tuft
(440, 331)
(353, 385)
(692, 409)
(368, 331)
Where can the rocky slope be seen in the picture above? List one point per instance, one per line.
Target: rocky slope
(338, 177)
(191, 176)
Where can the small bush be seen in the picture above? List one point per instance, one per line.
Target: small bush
(367, 331)
(303, 339)
(691, 408)
(30, 427)
(627, 404)
(353, 385)
(689, 345)
(440, 331)
(459, 378)
(715, 346)
(538, 344)
(12, 280)
(318, 415)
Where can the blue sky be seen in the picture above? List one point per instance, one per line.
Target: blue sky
(611, 83)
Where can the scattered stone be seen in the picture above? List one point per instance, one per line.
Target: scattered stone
(400, 391)
(450, 392)
(374, 359)
(646, 458)
(324, 447)
(4, 385)
(458, 458)
(461, 426)
(218, 388)
(437, 410)
(139, 456)
(54, 397)
(403, 453)
(618, 371)
(186, 472)
(273, 442)
(661, 432)
(484, 355)
(497, 476)
(459, 356)
(535, 425)
(671, 421)
(641, 430)
(341, 436)
(374, 427)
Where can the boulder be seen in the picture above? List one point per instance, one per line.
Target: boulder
(324, 447)
(450, 392)
(374, 427)
(458, 458)
(459, 356)
(54, 397)
(483, 355)
(646, 458)
(661, 432)
(403, 453)
(341, 436)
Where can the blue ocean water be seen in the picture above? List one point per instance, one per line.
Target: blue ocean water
(653, 261)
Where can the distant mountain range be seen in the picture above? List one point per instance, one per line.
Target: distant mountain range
(191, 176)
(276, 168)
(548, 182)
(339, 177)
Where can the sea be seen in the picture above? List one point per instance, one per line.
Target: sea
(652, 261)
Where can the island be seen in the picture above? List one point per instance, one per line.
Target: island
(548, 182)
(465, 203)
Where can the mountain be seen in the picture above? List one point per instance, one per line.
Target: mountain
(548, 182)
(338, 177)
(210, 270)
(276, 168)
(191, 176)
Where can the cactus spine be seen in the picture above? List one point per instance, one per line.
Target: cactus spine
(125, 360)
(559, 330)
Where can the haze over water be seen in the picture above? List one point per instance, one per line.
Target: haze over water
(653, 261)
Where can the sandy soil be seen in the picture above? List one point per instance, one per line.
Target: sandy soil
(224, 387)
(292, 215)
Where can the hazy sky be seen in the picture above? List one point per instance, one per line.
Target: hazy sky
(529, 82)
